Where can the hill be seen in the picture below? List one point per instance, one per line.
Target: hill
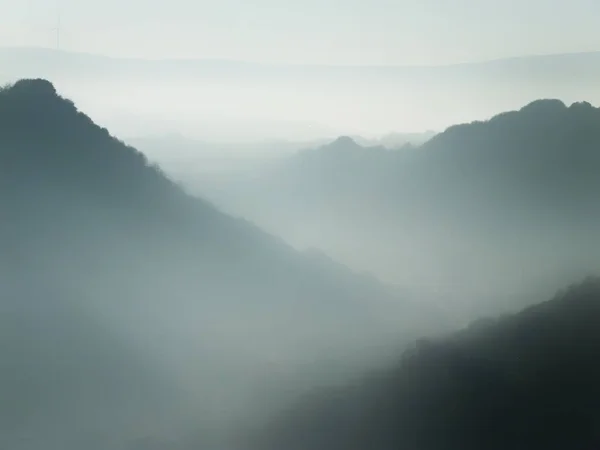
(523, 381)
(493, 206)
(112, 272)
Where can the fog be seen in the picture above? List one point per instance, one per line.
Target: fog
(211, 253)
(480, 229)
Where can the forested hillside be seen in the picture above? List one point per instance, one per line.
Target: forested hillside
(133, 307)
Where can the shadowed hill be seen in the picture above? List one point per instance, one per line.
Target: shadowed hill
(115, 273)
(524, 381)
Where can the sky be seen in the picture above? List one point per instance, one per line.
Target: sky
(339, 32)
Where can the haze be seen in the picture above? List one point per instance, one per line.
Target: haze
(267, 226)
(382, 32)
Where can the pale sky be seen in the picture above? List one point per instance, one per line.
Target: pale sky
(399, 32)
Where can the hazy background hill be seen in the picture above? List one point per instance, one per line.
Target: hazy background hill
(204, 165)
(241, 101)
(489, 208)
(123, 293)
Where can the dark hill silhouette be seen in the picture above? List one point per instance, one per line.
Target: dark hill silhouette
(524, 381)
(132, 296)
(518, 190)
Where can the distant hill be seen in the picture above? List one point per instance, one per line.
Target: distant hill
(511, 199)
(395, 140)
(225, 100)
(202, 166)
(63, 63)
(130, 308)
(523, 381)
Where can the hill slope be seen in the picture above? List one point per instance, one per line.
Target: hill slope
(525, 381)
(133, 269)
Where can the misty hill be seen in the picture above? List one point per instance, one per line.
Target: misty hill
(523, 381)
(518, 191)
(126, 294)
(225, 100)
(202, 166)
